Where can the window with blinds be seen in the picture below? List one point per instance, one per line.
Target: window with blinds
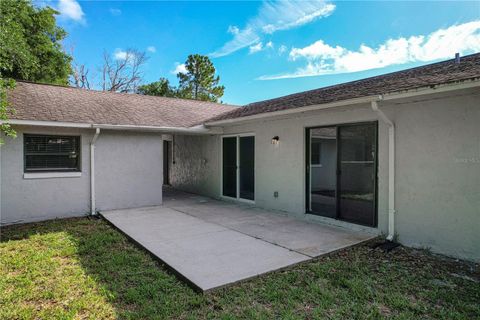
(51, 153)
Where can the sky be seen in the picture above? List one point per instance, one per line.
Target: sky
(267, 49)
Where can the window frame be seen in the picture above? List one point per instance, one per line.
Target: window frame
(78, 150)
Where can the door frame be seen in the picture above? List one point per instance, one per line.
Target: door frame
(337, 200)
(237, 136)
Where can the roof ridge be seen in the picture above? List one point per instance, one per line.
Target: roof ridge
(123, 93)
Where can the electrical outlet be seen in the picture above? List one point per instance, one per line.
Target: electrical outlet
(275, 194)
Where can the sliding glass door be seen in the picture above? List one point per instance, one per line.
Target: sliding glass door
(229, 172)
(341, 172)
(238, 167)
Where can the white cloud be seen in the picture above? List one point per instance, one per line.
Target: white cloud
(255, 48)
(274, 16)
(115, 11)
(120, 54)
(269, 45)
(233, 30)
(323, 58)
(151, 49)
(282, 49)
(179, 68)
(70, 9)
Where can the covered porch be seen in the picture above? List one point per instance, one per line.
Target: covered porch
(212, 243)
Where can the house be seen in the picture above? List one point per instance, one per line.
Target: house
(396, 154)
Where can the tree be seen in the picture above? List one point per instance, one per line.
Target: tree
(124, 73)
(161, 88)
(80, 77)
(31, 44)
(30, 49)
(199, 81)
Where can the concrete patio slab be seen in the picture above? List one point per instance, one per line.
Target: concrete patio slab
(213, 243)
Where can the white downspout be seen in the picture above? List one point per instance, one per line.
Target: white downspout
(92, 172)
(391, 170)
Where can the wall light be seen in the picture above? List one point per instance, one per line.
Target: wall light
(275, 140)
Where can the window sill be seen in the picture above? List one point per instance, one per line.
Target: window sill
(50, 175)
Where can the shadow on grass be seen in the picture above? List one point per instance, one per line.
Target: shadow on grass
(355, 283)
(134, 284)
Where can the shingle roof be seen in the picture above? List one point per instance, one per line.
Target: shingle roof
(424, 76)
(56, 103)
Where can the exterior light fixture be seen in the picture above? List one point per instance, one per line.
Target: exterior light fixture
(275, 140)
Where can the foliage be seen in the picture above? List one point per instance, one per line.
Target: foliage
(30, 49)
(31, 43)
(200, 82)
(5, 110)
(160, 88)
(82, 268)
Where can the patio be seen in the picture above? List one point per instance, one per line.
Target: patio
(212, 243)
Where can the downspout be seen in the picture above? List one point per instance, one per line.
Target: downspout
(391, 169)
(92, 172)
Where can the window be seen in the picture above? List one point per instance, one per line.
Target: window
(316, 151)
(44, 153)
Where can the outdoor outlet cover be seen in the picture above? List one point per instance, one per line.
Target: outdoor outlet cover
(275, 194)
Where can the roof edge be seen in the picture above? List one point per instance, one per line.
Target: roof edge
(198, 129)
(445, 87)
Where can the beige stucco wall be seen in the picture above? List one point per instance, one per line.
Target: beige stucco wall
(128, 174)
(437, 165)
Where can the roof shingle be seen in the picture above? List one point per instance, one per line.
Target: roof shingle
(42, 102)
(429, 75)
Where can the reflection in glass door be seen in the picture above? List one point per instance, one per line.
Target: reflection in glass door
(341, 172)
(323, 166)
(356, 185)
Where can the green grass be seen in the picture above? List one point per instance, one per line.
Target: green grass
(84, 269)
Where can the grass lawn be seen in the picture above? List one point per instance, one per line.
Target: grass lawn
(84, 269)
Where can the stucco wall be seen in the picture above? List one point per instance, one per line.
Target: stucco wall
(438, 168)
(129, 170)
(25, 200)
(128, 174)
(197, 163)
(438, 175)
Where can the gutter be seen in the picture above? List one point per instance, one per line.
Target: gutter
(391, 168)
(93, 211)
(199, 129)
(466, 84)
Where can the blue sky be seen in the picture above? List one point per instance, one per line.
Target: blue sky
(267, 49)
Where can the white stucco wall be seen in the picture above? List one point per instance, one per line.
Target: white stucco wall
(128, 170)
(438, 168)
(128, 174)
(26, 200)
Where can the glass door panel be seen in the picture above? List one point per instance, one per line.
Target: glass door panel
(229, 173)
(247, 167)
(356, 185)
(323, 167)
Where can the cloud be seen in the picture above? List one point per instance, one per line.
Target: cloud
(179, 68)
(233, 30)
(70, 9)
(269, 45)
(282, 49)
(151, 49)
(322, 58)
(255, 48)
(120, 54)
(115, 11)
(274, 16)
